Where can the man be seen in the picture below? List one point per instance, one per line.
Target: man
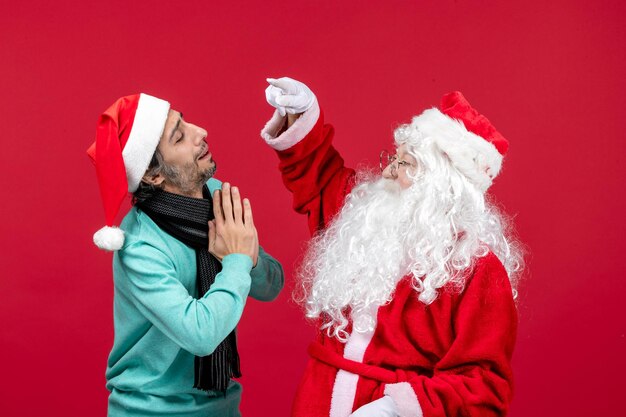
(410, 276)
(183, 267)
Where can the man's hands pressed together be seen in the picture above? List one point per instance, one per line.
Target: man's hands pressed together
(233, 229)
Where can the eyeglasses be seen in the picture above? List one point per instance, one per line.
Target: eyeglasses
(387, 159)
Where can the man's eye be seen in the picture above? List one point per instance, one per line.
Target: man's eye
(403, 163)
(180, 138)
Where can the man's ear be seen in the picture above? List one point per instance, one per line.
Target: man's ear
(154, 180)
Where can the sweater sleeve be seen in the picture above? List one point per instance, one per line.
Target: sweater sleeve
(196, 325)
(474, 377)
(310, 166)
(267, 276)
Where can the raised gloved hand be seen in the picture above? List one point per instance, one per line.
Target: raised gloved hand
(289, 96)
(382, 407)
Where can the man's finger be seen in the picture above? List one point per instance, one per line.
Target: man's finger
(227, 204)
(212, 233)
(236, 205)
(217, 207)
(247, 213)
(256, 247)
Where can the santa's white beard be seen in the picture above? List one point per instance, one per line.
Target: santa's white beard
(383, 233)
(357, 262)
(432, 231)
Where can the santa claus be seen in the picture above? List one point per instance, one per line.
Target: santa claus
(410, 276)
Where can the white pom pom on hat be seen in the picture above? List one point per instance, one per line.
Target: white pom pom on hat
(472, 143)
(127, 136)
(109, 238)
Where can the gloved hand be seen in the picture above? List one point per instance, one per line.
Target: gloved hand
(382, 407)
(289, 96)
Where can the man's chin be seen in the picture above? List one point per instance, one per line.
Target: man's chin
(209, 172)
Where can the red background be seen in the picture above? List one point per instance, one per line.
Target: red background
(550, 75)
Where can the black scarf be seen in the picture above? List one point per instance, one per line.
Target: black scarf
(186, 219)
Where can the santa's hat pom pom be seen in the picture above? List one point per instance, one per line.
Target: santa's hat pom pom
(109, 238)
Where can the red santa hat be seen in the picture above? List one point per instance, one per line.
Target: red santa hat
(127, 136)
(469, 139)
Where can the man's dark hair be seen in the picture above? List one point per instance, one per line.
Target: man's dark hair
(146, 190)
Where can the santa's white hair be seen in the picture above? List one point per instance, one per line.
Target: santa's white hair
(433, 231)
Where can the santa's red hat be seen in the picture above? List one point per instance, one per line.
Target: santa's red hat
(469, 139)
(127, 136)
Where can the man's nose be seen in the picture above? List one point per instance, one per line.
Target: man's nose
(200, 135)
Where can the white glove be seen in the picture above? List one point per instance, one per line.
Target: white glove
(382, 407)
(289, 96)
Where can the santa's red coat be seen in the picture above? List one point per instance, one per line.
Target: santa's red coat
(449, 358)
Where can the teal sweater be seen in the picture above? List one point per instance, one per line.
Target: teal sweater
(160, 325)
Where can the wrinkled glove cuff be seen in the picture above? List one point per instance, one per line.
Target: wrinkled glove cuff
(295, 133)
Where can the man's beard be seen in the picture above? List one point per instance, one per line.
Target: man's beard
(188, 178)
(357, 261)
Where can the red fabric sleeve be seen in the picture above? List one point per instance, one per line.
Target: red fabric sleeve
(314, 172)
(474, 377)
